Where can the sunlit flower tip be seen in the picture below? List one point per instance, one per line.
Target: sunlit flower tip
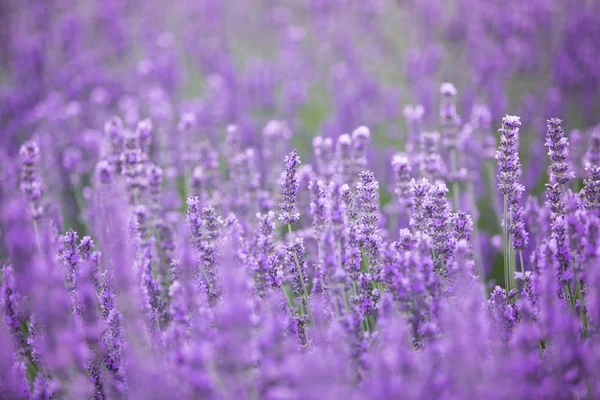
(144, 127)
(30, 152)
(413, 113)
(400, 162)
(511, 121)
(362, 133)
(447, 89)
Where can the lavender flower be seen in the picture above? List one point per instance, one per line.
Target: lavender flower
(437, 212)
(402, 171)
(113, 336)
(448, 115)
(557, 145)
(104, 172)
(296, 266)
(31, 184)
(318, 206)
(420, 190)
(367, 193)
(208, 297)
(509, 165)
(361, 137)
(414, 117)
(132, 162)
(432, 164)
(343, 157)
(144, 132)
(507, 156)
(591, 191)
(289, 190)
(113, 128)
(325, 157)
(11, 302)
(265, 258)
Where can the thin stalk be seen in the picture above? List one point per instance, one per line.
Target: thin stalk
(511, 258)
(364, 260)
(491, 181)
(35, 228)
(476, 244)
(455, 184)
(522, 263)
(287, 299)
(206, 278)
(568, 296)
(505, 244)
(345, 297)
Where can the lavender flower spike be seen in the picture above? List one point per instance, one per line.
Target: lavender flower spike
(367, 193)
(508, 184)
(31, 185)
(289, 190)
(507, 156)
(558, 145)
(402, 176)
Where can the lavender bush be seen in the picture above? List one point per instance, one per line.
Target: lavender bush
(290, 200)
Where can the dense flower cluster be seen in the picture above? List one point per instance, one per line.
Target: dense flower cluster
(170, 227)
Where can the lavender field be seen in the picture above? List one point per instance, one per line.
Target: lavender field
(299, 199)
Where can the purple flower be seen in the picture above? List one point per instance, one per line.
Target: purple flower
(414, 118)
(296, 266)
(450, 119)
(105, 172)
(558, 145)
(343, 157)
(438, 216)
(265, 258)
(368, 195)
(463, 226)
(318, 206)
(325, 157)
(113, 128)
(361, 137)
(508, 158)
(12, 303)
(31, 184)
(503, 314)
(144, 132)
(432, 164)
(289, 190)
(402, 178)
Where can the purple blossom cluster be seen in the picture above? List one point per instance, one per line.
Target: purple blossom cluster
(170, 227)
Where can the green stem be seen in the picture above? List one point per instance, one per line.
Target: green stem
(505, 244)
(522, 263)
(206, 278)
(455, 185)
(511, 257)
(287, 299)
(476, 244)
(491, 179)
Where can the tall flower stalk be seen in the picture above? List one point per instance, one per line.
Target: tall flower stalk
(288, 216)
(509, 168)
(450, 124)
(560, 174)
